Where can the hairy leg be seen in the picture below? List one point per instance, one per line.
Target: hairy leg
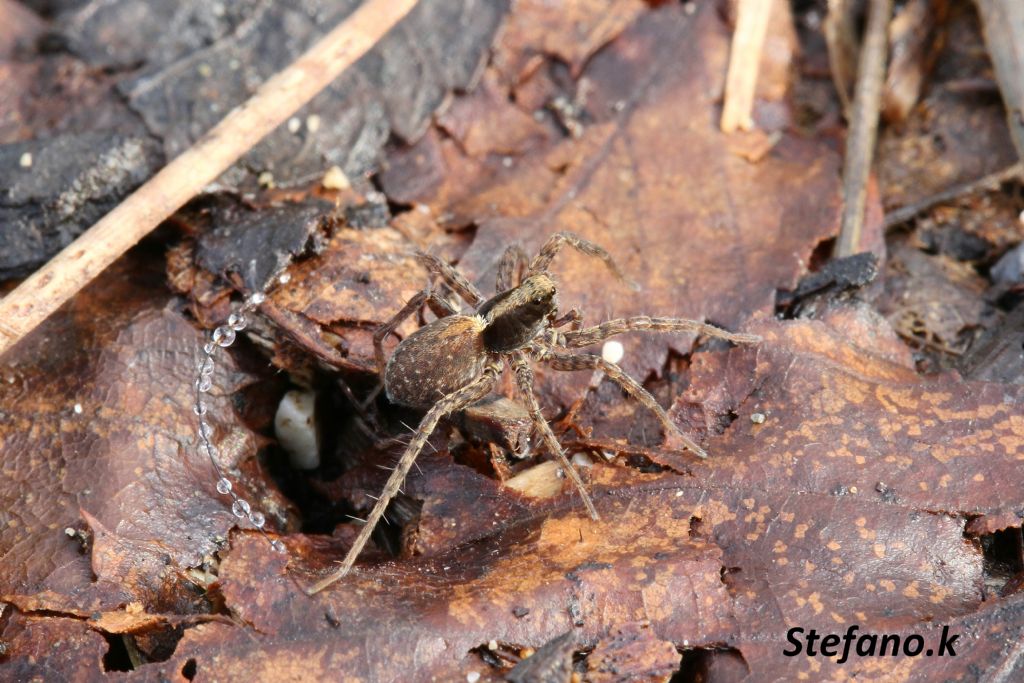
(524, 377)
(586, 361)
(560, 239)
(463, 287)
(457, 400)
(437, 304)
(592, 335)
(511, 267)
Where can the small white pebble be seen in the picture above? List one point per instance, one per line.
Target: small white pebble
(265, 179)
(296, 429)
(205, 70)
(26, 160)
(294, 124)
(854, 490)
(335, 179)
(582, 460)
(690, 8)
(472, 677)
(507, 162)
(679, 494)
(78, 409)
(492, 645)
(312, 123)
(285, 278)
(757, 418)
(613, 351)
(70, 532)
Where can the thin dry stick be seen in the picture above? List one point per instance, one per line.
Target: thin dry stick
(860, 145)
(277, 99)
(992, 181)
(744, 61)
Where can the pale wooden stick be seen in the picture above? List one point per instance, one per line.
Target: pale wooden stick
(276, 100)
(744, 62)
(860, 143)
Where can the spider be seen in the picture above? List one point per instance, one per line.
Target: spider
(457, 359)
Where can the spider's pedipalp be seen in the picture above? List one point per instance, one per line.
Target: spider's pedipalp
(586, 361)
(598, 333)
(456, 280)
(524, 378)
(547, 253)
(457, 400)
(511, 266)
(410, 308)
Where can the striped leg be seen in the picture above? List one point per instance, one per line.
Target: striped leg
(593, 335)
(560, 239)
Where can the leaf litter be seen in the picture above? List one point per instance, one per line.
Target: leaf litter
(863, 492)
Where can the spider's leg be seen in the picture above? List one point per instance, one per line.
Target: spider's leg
(524, 377)
(560, 239)
(456, 280)
(456, 400)
(593, 335)
(437, 304)
(511, 266)
(586, 361)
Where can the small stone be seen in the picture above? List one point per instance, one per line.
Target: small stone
(25, 161)
(70, 532)
(613, 351)
(205, 70)
(284, 278)
(294, 124)
(312, 123)
(757, 418)
(335, 179)
(473, 677)
(266, 179)
(492, 645)
(78, 409)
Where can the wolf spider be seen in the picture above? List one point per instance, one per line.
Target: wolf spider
(457, 359)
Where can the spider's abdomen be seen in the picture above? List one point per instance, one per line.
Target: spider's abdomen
(436, 360)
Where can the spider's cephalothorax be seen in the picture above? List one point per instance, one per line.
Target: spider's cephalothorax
(456, 360)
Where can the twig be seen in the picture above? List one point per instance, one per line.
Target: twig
(744, 61)
(989, 182)
(276, 100)
(860, 145)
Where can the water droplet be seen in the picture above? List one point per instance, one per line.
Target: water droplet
(257, 519)
(206, 366)
(240, 508)
(285, 278)
(278, 546)
(199, 408)
(205, 430)
(204, 384)
(237, 321)
(209, 348)
(257, 298)
(223, 486)
(224, 336)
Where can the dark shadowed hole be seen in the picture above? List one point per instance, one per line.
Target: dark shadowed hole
(189, 670)
(1004, 558)
(116, 658)
(721, 665)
